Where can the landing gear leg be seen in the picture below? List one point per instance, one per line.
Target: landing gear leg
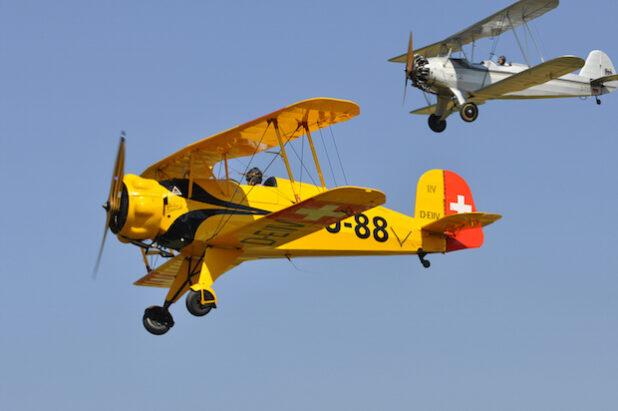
(421, 256)
(436, 124)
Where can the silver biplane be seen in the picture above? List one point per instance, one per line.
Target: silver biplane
(461, 85)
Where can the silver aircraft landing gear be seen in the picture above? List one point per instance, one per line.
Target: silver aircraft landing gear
(469, 112)
(435, 124)
(157, 320)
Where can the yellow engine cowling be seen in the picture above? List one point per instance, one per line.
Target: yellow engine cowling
(141, 209)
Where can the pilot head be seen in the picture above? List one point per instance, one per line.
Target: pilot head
(501, 60)
(254, 176)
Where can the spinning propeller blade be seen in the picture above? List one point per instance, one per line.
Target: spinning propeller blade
(409, 67)
(113, 200)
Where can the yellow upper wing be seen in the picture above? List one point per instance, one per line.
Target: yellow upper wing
(252, 137)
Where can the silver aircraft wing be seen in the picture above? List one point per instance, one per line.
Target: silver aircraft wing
(510, 18)
(533, 76)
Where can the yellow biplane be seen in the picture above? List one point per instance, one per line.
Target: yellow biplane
(206, 225)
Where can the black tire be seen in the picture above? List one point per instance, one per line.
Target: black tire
(194, 303)
(157, 320)
(435, 124)
(469, 112)
(426, 264)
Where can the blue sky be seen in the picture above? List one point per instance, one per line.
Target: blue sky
(525, 322)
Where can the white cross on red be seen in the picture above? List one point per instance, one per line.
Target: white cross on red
(460, 206)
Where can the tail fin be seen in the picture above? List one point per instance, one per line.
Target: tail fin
(441, 193)
(598, 64)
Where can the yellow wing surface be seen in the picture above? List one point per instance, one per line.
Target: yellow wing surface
(252, 137)
(163, 276)
(301, 219)
(456, 222)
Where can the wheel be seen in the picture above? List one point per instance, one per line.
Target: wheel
(426, 263)
(435, 124)
(194, 303)
(157, 320)
(469, 112)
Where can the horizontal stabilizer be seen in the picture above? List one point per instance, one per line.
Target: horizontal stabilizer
(602, 80)
(162, 276)
(533, 76)
(457, 222)
(301, 219)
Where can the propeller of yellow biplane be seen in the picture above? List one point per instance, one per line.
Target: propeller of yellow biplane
(112, 205)
(409, 66)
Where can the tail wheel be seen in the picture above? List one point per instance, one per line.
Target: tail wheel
(469, 112)
(194, 302)
(435, 124)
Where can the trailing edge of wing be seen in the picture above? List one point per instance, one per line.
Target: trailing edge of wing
(456, 222)
(252, 137)
(301, 219)
(533, 76)
(162, 276)
(509, 18)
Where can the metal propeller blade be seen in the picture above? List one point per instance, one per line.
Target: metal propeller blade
(113, 201)
(409, 67)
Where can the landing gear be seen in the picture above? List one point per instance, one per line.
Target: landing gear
(157, 320)
(435, 124)
(194, 302)
(598, 100)
(469, 112)
(421, 256)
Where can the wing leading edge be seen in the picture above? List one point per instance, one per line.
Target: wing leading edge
(252, 137)
(509, 18)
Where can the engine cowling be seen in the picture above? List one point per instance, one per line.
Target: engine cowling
(141, 209)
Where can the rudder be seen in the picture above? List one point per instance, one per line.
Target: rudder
(441, 193)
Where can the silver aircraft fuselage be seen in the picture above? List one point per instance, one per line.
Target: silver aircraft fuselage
(459, 74)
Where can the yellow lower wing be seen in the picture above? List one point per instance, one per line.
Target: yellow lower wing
(457, 222)
(301, 219)
(162, 276)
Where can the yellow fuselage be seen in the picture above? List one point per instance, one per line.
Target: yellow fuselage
(162, 211)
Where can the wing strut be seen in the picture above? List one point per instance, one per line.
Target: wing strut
(315, 157)
(285, 156)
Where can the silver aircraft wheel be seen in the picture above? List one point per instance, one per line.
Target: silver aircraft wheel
(194, 303)
(435, 124)
(469, 112)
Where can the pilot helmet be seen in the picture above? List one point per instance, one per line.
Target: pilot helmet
(254, 176)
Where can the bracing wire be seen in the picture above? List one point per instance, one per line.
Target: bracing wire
(345, 178)
(328, 157)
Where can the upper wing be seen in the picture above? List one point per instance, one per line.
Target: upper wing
(511, 17)
(531, 77)
(252, 137)
(456, 222)
(301, 219)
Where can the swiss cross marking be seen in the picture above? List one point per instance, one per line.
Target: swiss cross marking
(460, 206)
(314, 214)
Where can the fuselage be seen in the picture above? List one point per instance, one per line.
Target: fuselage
(453, 73)
(217, 207)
